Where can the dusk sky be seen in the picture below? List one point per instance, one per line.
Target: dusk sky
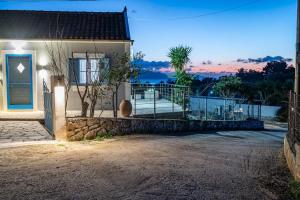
(218, 30)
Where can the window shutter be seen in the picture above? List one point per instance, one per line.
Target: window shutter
(104, 71)
(73, 70)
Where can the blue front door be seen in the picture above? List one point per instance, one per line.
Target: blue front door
(19, 81)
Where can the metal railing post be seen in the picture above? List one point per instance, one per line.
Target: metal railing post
(172, 96)
(187, 96)
(199, 107)
(224, 110)
(260, 112)
(259, 117)
(134, 93)
(183, 100)
(240, 106)
(154, 103)
(232, 109)
(164, 91)
(169, 96)
(206, 114)
(160, 91)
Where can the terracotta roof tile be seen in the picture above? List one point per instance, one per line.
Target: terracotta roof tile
(21, 24)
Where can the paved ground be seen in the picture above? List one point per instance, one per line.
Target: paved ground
(216, 165)
(22, 131)
(36, 115)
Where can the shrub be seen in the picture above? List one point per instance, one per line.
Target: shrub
(282, 114)
(294, 187)
(104, 135)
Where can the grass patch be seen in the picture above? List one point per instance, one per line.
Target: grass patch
(103, 136)
(294, 188)
(61, 145)
(99, 138)
(269, 168)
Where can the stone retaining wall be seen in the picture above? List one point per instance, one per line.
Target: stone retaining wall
(292, 158)
(88, 128)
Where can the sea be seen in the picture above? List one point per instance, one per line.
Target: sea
(154, 81)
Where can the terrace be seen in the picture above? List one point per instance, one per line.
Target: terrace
(225, 109)
(174, 101)
(160, 100)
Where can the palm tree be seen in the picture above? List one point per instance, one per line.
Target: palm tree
(180, 57)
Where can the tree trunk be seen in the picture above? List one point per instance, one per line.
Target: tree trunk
(114, 105)
(66, 103)
(84, 108)
(92, 109)
(117, 102)
(66, 99)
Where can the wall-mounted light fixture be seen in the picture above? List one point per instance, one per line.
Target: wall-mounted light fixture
(18, 44)
(43, 61)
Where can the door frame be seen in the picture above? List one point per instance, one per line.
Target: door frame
(3, 86)
(25, 106)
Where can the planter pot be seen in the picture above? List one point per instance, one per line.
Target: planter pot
(125, 108)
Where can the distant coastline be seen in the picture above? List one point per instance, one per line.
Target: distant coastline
(161, 71)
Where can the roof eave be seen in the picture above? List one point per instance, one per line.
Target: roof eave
(126, 23)
(62, 40)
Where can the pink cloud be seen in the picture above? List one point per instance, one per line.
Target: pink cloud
(227, 67)
(167, 70)
(232, 67)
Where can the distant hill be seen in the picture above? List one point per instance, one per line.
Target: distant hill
(153, 75)
(265, 59)
(153, 65)
(203, 75)
(150, 75)
(160, 70)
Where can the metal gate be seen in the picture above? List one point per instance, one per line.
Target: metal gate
(48, 108)
(293, 135)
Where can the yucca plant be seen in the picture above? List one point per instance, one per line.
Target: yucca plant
(180, 57)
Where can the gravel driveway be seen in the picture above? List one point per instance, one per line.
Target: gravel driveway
(216, 165)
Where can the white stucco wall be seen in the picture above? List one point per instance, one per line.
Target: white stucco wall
(41, 59)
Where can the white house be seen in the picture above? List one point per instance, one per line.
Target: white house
(24, 36)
